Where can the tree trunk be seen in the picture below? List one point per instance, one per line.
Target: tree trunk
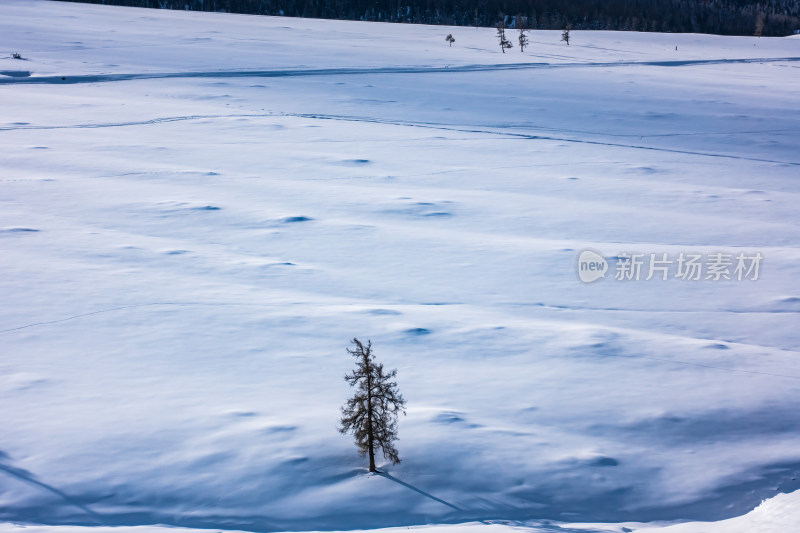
(371, 456)
(370, 433)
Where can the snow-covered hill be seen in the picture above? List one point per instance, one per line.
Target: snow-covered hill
(198, 211)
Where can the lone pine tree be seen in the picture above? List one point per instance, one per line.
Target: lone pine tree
(523, 39)
(565, 34)
(371, 414)
(501, 35)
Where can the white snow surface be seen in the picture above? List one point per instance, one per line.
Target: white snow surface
(198, 211)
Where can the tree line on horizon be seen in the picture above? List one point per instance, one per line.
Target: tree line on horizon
(724, 17)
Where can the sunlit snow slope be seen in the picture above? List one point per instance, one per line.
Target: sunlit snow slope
(198, 211)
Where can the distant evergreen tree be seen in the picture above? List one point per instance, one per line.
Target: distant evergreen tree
(450, 39)
(565, 34)
(523, 39)
(371, 414)
(501, 35)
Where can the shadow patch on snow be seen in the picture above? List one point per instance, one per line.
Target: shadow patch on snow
(169, 208)
(343, 476)
(280, 429)
(294, 220)
(384, 312)
(604, 461)
(18, 230)
(295, 461)
(448, 418)
(20, 381)
(211, 460)
(15, 73)
(417, 332)
(422, 209)
(736, 498)
(243, 414)
(598, 461)
(657, 115)
(787, 305)
(717, 425)
(606, 345)
(644, 170)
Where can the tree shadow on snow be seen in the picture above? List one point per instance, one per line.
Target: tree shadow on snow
(419, 491)
(29, 478)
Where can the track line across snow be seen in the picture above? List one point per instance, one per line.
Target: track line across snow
(285, 73)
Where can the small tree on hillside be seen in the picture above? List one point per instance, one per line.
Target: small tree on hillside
(501, 34)
(565, 34)
(371, 414)
(523, 39)
(450, 39)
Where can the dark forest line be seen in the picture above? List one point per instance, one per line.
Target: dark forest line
(724, 17)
